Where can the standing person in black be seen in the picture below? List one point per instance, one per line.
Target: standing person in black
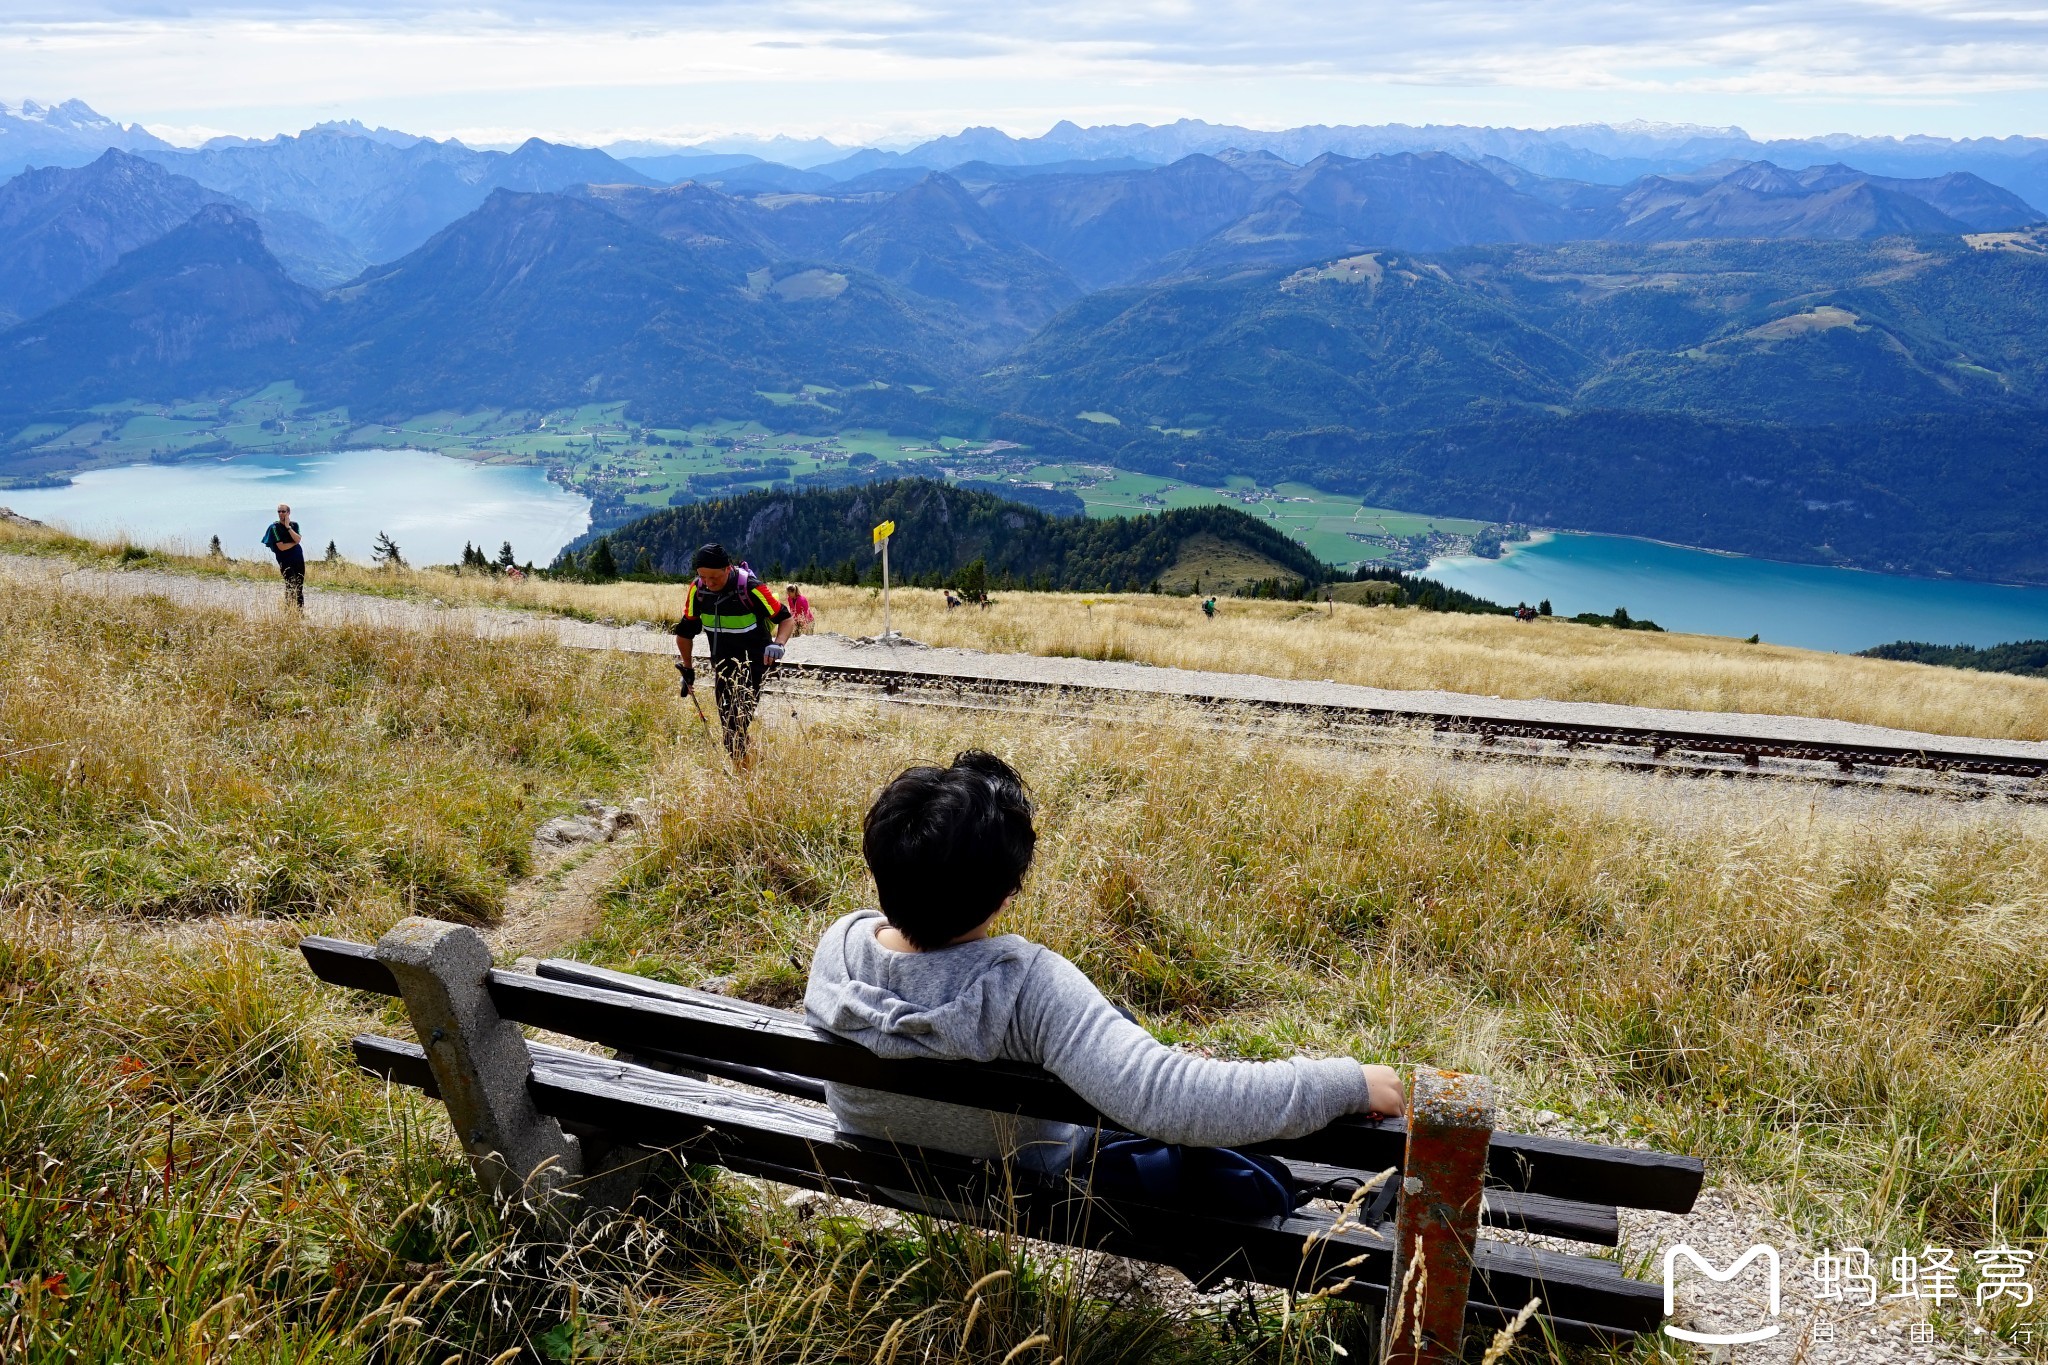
(738, 612)
(284, 541)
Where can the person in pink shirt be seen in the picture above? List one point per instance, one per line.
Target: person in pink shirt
(800, 608)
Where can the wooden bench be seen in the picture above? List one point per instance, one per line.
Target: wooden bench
(564, 1132)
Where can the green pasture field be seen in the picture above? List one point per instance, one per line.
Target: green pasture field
(600, 452)
(1324, 522)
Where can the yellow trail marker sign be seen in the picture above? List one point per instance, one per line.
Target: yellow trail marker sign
(882, 534)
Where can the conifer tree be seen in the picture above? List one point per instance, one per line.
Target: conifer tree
(385, 553)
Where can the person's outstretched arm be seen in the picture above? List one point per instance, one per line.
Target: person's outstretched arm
(1140, 1084)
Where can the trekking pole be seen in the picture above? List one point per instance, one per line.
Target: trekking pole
(704, 729)
(794, 715)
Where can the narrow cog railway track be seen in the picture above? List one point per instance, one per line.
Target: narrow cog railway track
(1951, 771)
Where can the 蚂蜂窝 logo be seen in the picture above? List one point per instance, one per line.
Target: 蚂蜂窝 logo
(1767, 1254)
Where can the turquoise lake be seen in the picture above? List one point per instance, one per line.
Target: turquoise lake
(430, 504)
(1717, 594)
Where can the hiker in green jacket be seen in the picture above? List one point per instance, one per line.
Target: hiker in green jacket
(738, 613)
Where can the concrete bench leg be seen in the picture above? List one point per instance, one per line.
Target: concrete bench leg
(481, 1065)
(1450, 1123)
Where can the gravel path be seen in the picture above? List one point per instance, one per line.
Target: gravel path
(329, 607)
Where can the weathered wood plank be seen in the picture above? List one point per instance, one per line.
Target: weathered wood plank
(604, 978)
(341, 963)
(1599, 1224)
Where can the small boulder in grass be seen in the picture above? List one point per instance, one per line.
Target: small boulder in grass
(598, 824)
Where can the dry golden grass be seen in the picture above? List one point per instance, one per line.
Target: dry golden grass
(1837, 994)
(1484, 655)
(1373, 646)
(191, 1168)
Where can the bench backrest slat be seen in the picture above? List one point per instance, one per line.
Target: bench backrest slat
(663, 1018)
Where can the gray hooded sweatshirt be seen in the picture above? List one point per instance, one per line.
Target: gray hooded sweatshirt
(1011, 999)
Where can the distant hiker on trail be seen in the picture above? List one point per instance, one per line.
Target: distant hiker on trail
(282, 539)
(737, 611)
(1209, 607)
(800, 608)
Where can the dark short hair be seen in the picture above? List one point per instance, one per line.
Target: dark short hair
(948, 845)
(712, 556)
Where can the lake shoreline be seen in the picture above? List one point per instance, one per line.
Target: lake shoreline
(431, 503)
(1510, 548)
(1697, 591)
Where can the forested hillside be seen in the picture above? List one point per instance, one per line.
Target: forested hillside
(941, 530)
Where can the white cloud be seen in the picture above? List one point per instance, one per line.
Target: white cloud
(185, 134)
(927, 65)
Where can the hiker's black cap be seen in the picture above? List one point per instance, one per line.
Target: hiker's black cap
(712, 556)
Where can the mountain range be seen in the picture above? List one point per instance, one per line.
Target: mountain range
(385, 196)
(546, 300)
(71, 133)
(205, 308)
(1608, 154)
(998, 253)
(1799, 332)
(1813, 362)
(63, 229)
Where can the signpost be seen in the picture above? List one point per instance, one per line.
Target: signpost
(882, 534)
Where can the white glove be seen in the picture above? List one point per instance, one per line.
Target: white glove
(773, 653)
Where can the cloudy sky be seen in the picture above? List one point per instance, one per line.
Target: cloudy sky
(896, 70)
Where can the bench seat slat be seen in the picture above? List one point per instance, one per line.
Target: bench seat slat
(751, 1133)
(1480, 1313)
(649, 1016)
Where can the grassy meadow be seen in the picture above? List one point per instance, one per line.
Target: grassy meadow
(1376, 646)
(1836, 999)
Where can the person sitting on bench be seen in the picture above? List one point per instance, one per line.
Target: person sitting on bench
(926, 977)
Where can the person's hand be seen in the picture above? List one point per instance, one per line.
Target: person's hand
(689, 676)
(1384, 1095)
(773, 654)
